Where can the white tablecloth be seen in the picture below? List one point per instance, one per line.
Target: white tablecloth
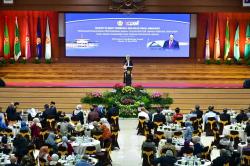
(72, 160)
(170, 129)
(4, 159)
(80, 147)
(242, 134)
(185, 161)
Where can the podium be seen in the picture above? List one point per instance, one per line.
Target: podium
(128, 75)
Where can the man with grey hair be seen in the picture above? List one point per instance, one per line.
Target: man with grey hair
(165, 160)
(222, 159)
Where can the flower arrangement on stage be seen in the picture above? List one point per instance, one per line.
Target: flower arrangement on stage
(128, 99)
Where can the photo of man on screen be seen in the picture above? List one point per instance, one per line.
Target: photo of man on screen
(171, 43)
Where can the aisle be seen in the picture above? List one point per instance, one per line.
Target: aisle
(130, 144)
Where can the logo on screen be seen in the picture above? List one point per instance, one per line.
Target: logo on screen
(120, 23)
(133, 23)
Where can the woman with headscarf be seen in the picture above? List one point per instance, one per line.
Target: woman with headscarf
(106, 135)
(79, 129)
(189, 131)
(51, 141)
(65, 143)
(24, 126)
(78, 113)
(31, 114)
(35, 128)
(54, 160)
(44, 153)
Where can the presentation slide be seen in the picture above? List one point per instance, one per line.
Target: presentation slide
(118, 35)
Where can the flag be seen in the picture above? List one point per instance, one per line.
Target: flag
(17, 45)
(237, 44)
(217, 42)
(38, 40)
(48, 42)
(6, 41)
(207, 49)
(27, 42)
(247, 43)
(227, 41)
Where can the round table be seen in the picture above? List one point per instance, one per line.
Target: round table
(236, 127)
(4, 159)
(72, 160)
(81, 144)
(169, 130)
(192, 161)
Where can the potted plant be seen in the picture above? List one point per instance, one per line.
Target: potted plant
(37, 60)
(23, 60)
(208, 61)
(228, 61)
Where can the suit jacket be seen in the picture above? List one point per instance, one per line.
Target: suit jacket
(174, 45)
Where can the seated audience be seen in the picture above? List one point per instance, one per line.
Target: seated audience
(78, 113)
(54, 160)
(149, 143)
(167, 159)
(247, 129)
(158, 116)
(169, 146)
(143, 113)
(191, 115)
(225, 116)
(222, 159)
(242, 116)
(106, 135)
(198, 111)
(186, 149)
(93, 116)
(36, 128)
(177, 114)
(209, 114)
(65, 127)
(24, 126)
(65, 143)
(113, 111)
(188, 133)
(51, 141)
(101, 111)
(44, 154)
(198, 147)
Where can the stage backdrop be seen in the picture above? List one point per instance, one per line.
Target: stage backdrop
(31, 18)
(210, 18)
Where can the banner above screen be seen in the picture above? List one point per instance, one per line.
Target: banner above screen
(118, 35)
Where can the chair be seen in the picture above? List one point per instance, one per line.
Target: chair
(223, 123)
(97, 135)
(114, 131)
(26, 135)
(44, 133)
(210, 125)
(227, 164)
(177, 134)
(157, 124)
(158, 135)
(195, 122)
(200, 121)
(205, 154)
(115, 121)
(245, 161)
(108, 148)
(147, 156)
(30, 149)
(42, 162)
(74, 120)
(62, 151)
(235, 137)
(51, 123)
(196, 133)
(141, 125)
(9, 132)
(179, 121)
(90, 150)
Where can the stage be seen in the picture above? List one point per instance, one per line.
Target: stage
(105, 75)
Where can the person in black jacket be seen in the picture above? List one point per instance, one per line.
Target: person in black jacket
(53, 111)
(12, 115)
(20, 144)
(198, 111)
(167, 160)
(113, 111)
(222, 159)
(158, 116)
(242, 116)
(225, 116)
(78, 114)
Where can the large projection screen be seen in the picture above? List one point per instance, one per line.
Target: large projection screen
(118, 35)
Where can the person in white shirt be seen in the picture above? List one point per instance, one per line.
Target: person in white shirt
(143, 113)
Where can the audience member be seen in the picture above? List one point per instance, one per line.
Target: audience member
(36, 128)
(143, 113)
(53, 111)
(65, 143)
(169, 146)
(222, 159)
(242, 116)
(13, 161)
(210, 113)
(186, 149)
(198, 111)
(24, 126)
(158, 116)
(113, 111)
(106, 133)
(27, 161)
(2, 124)
(167, 159)
(44, 154)
(93, 116)
(177, 114)
(78, 113)
(189, 131)
(149, 143)
(225, 116)
(20, 144)
(51, 141)
(11, 112)
(198, 147)
(65, 127)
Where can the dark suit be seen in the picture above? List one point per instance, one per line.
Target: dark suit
(11, 113)
(173, 45)
(125, 71)
(225, 117)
